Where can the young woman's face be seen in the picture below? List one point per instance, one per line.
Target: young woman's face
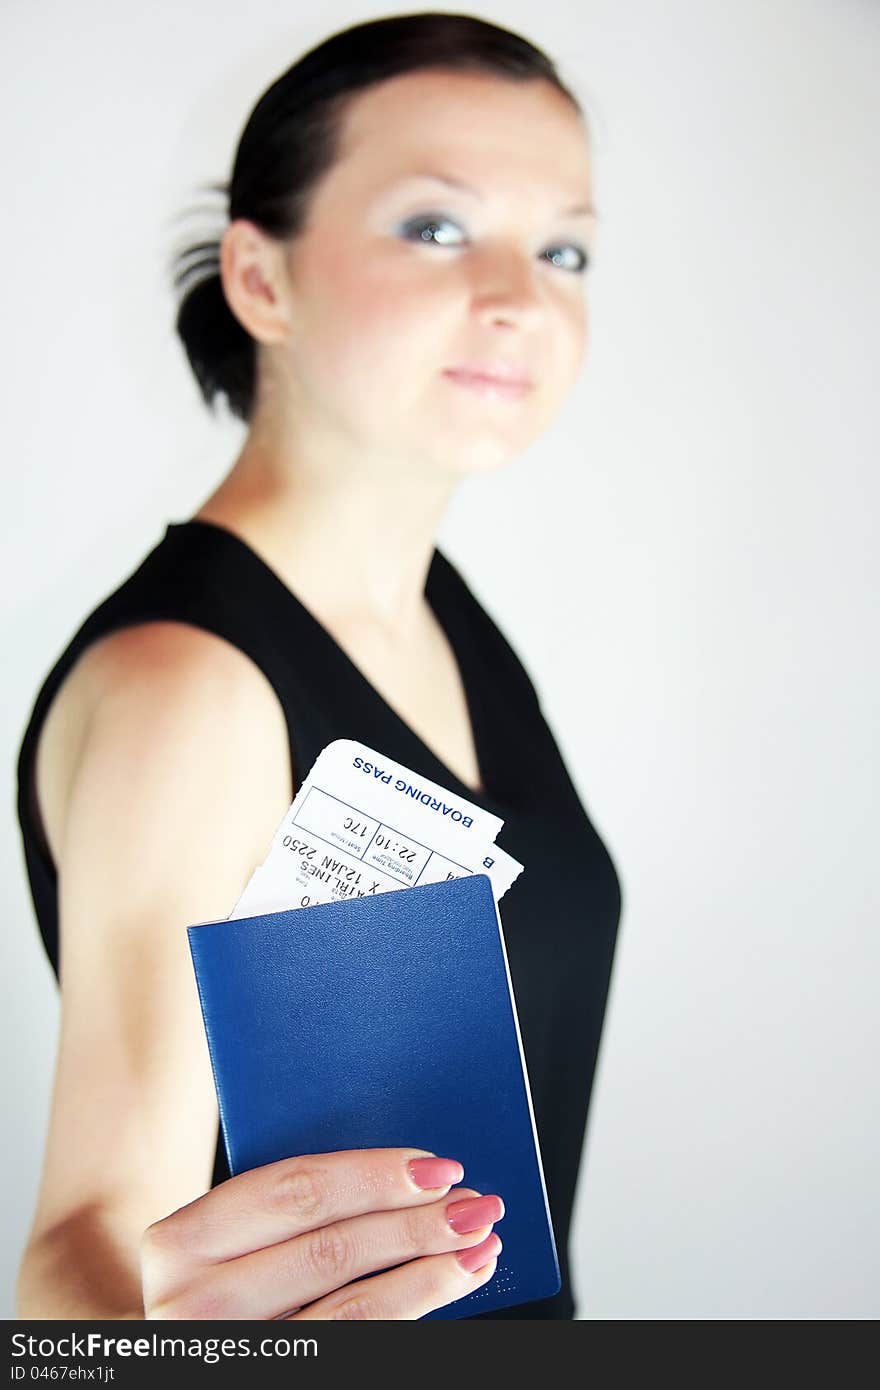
(398, 278)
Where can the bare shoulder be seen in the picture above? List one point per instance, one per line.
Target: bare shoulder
(175, 669)
(180, 775)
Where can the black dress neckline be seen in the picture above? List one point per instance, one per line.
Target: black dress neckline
(441, 573)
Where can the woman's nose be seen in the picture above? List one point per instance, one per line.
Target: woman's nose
(506, 283)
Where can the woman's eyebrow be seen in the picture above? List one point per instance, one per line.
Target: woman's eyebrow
(578, 210)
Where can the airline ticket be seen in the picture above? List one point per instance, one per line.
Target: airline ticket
(361, 824)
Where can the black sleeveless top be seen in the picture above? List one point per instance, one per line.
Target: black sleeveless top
(560, 918)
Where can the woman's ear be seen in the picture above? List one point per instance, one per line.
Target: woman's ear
(255, 281)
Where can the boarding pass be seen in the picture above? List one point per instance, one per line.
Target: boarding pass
(362, 824)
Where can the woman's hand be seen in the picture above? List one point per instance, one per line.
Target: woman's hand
(290, 1240)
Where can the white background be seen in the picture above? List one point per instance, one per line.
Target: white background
(684, 563)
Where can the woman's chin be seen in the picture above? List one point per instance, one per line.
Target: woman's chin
(466, 451)
(467, 462)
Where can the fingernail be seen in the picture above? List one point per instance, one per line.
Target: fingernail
(435, 1172)
(470, 1213)
(479, 1255)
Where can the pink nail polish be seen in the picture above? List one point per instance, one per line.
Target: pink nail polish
(435, 1172)
(470, 1213)
(479, 1255)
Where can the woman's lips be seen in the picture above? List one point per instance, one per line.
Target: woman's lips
(513, 388)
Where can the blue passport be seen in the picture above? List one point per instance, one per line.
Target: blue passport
(375, 1022)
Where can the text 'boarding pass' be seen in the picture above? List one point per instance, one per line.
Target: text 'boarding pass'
(361, 824)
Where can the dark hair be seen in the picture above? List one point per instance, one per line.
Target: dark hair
(291, 138)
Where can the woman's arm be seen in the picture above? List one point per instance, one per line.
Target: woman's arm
(182, 778)
(86, 1268)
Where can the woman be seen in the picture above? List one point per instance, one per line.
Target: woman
(408, 214)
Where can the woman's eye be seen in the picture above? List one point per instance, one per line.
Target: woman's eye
(422, 229)
(581, 263)
(425, 228)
